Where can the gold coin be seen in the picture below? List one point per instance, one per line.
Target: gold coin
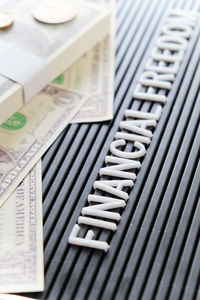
(55, 12)
(6, 19)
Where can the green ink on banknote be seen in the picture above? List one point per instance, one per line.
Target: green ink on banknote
(17, 121)
(60, 79)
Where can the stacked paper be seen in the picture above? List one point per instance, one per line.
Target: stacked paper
(83, 93)
(57, 46)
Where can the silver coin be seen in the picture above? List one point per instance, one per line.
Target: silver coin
(55, 12)
(6, 19)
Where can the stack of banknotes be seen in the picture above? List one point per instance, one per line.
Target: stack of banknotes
(33, 53)
(84, 93)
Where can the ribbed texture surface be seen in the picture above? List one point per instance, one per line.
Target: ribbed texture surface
(155, 251)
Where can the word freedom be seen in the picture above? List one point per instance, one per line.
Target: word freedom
(159, 73)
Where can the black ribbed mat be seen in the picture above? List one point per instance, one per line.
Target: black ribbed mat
(155, 252)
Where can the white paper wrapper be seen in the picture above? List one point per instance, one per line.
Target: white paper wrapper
(58, 46)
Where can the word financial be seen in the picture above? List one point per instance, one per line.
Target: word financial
(159, 75)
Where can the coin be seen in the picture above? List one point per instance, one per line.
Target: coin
(55, 12)
(6, 19)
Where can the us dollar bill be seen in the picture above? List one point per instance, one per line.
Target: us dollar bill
(14, 297)
(28, 133)
(21, 237)
(93, 75)
(58, 45)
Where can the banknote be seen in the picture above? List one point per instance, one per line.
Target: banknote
(57, 46)
(14, 297)
(21, 237)
(28, 133)
(91, 79)
(93, 75)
